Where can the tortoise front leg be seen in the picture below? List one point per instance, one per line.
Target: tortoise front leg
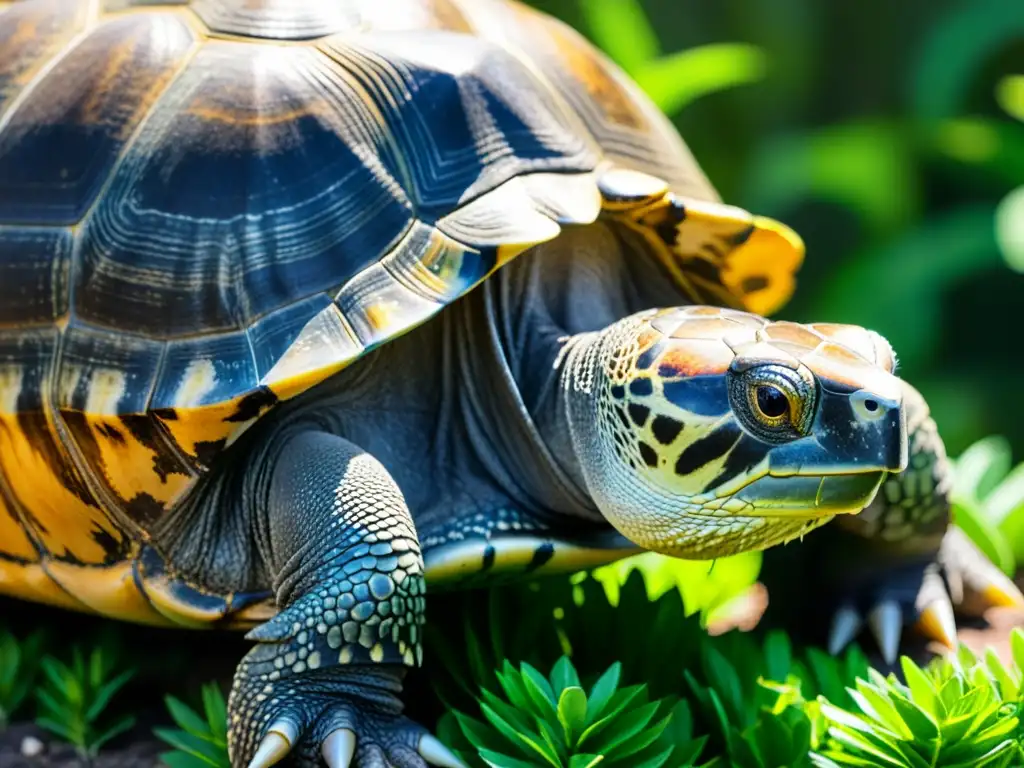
(325, 678)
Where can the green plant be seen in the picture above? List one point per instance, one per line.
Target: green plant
(200, 740)
(718, 679)
(19, 666)
(960, 712)
(747, 699)
(554, 721)
(988, 501)
(74, 697)
(625, 32)
(744, 690)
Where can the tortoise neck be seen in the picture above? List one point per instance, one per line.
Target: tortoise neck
(513, 405)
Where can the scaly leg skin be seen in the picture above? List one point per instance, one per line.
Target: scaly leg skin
(898, 562)
(326, 675)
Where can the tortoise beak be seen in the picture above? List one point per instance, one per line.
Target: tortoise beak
(853, 432)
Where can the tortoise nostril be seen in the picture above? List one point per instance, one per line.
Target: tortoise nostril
(868, 407)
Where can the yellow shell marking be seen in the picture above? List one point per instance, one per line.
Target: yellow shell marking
(110, 591)
(15, 543)
(67, 523)
(28, 581)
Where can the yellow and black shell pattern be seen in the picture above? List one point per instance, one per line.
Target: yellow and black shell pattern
(208, 207)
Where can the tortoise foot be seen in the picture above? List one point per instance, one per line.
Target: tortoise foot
(961, 581)
(345, 717)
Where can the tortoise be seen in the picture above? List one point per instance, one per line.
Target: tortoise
(305, 306)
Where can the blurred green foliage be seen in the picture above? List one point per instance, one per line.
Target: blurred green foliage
(988, 501)
(890, 137)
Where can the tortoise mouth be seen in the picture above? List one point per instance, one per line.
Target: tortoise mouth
(809, 496)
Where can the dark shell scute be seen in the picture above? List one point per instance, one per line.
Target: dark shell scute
(58, 147)
(34, 264)
(205, 370)
(53, 23)
(467, 115)
(254, 185)
(279, 19)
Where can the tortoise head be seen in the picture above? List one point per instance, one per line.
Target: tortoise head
(703, 432)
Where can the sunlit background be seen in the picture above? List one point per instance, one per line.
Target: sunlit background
(890, 136)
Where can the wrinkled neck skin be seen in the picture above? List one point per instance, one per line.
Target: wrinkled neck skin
(542, 313)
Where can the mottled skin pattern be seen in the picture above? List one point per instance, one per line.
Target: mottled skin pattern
(306, 305)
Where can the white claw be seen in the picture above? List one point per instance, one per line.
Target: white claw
(275, 745)
(338, 748)
(886, 621)
(436, 753)
(845, 626)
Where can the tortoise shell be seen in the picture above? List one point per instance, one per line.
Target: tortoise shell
(208, 207)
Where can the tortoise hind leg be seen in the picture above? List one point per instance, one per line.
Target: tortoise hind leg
(326, 675)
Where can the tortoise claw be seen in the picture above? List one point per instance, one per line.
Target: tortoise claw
(846, 623)
(976, 583)
(936, 621)
(338, 748)
(935, 615)
(275, 745)
(436, 753)
(997, 590)
(886, 622)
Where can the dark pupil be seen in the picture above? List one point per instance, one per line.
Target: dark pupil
(772, 402)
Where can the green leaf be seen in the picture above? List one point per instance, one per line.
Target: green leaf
(1006, 500)
(622, 30)
(603, 691)
(867, 166)
(981, 467)
(970, 517)
(563, 675)
(1017, 647)
(520, 737)
(572, 713)
(585, 761)
(216, 711)
(188, 720)
(498, 760)
(193, 745)
(556, 744)
(477, 733)
(923, 691)
(105, 693)
(627, 726)
(724, 680)
(639, 741)
(678, 79)
(826, 672)
(182, 760)
(538, 688)
(512, 684)
(778, 656)
(1010, 95)
(955, 50)
(618, 704)
(521, 720)
(1009, 231)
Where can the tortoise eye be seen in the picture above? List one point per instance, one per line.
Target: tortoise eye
(771, 401)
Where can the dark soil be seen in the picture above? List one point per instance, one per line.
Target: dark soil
(136, 750)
